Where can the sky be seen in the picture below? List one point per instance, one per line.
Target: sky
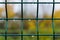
(32, 8)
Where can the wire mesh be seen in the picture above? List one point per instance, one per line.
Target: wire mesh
(6, 27)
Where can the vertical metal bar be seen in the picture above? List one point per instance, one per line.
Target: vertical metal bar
(37, 20)
(53, 20)
(22, 19)
(6, 28)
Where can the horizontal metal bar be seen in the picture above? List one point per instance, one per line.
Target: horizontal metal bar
(30, 35)
(29, 19)
(30, 2)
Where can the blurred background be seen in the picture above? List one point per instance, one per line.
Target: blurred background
(29, 26)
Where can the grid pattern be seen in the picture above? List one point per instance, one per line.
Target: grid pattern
(6, 27)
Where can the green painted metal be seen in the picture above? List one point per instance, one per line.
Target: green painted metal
(6, 29)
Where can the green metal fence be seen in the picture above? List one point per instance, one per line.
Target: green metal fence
(6, 27)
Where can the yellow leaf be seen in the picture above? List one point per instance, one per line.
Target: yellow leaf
(45, 27)
(57, 15)
(1, 10)
(32, 25)
(11, 13)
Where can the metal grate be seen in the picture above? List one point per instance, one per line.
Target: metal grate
(6, 27)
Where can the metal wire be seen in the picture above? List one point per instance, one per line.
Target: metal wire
(30, 34)
(29, 18)
(37, 20)
(22, 20)
(30, 2)
(53, 19)
(6, 29)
